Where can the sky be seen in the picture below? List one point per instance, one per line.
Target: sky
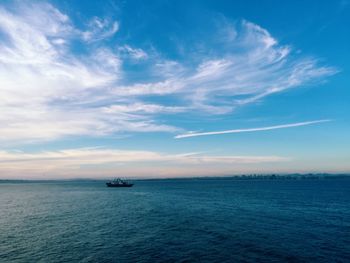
(153, 89)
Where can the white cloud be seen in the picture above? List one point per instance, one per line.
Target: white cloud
(100, 29)
(244, 68)
(48, 91)
(85, 162)
(142, 108)
(134, 53)
(282, 126)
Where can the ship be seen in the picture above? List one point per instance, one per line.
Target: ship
(119, 183)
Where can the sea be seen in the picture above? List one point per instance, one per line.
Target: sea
(177, 220)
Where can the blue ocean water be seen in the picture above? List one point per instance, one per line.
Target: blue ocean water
(176, 221)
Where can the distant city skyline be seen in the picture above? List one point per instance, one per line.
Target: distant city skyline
(173, 88)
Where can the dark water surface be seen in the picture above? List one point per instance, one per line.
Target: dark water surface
(176, 221)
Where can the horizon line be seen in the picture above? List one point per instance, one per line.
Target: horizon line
(347, 174)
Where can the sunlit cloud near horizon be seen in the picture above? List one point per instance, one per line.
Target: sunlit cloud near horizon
(72, 76)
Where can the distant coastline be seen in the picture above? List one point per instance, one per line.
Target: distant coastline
(242, 177)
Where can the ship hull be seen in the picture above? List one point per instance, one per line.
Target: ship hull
(119, 185)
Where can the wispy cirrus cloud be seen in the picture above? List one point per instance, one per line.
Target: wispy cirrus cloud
(99, 29)
(46, 86)
(282, 126)
(243, 68)
(134, 53)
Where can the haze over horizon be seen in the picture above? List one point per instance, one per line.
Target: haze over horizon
(173, 89)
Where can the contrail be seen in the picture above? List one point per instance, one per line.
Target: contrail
(282, 126)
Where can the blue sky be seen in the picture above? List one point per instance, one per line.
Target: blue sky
(173, 88)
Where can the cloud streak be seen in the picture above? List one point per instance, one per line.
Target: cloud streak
(282, 126)
(82, 162)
